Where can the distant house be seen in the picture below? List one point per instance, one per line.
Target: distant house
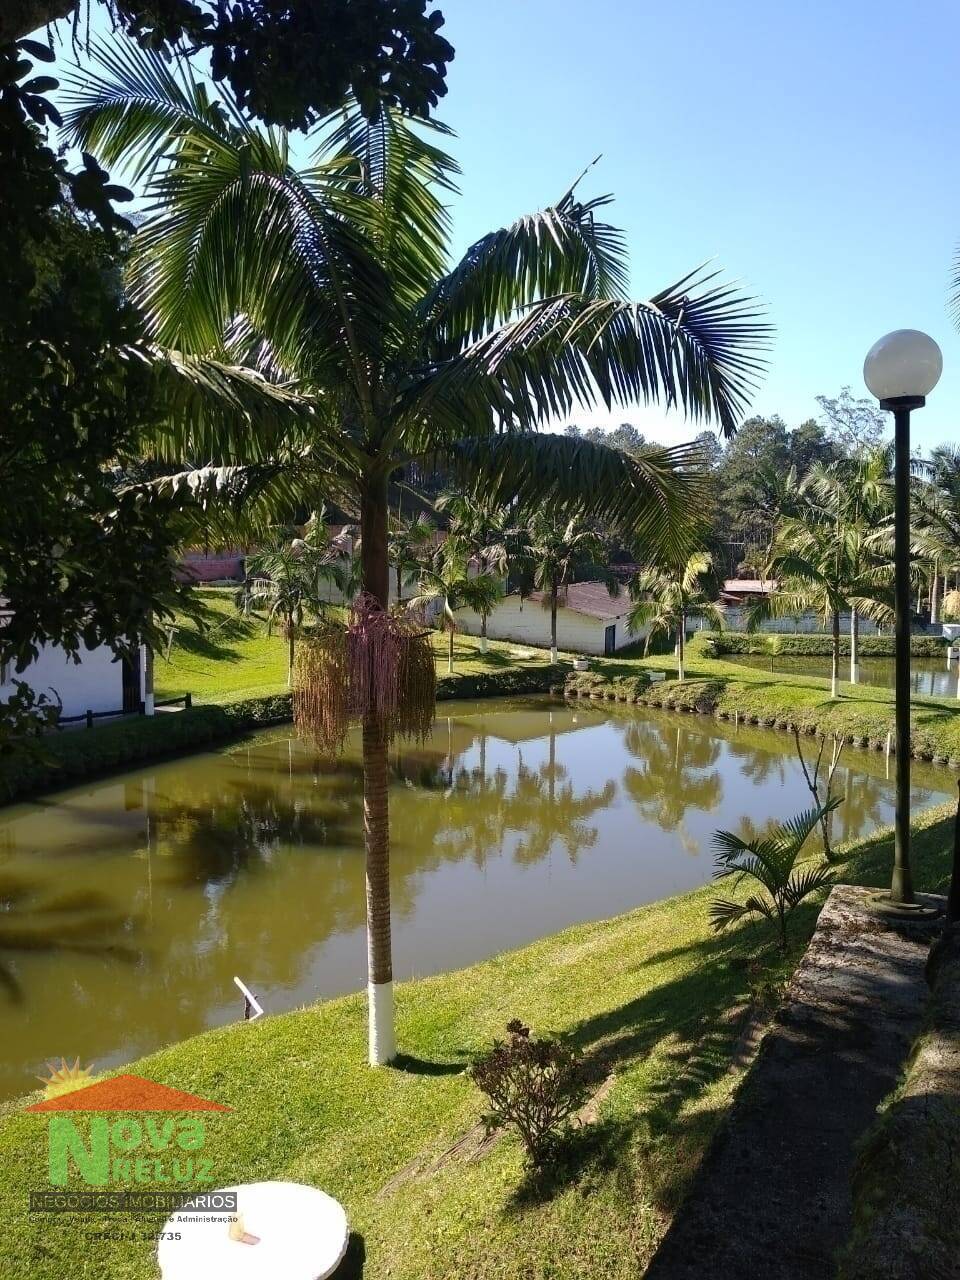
(588, 620)
(217, 566)
(100, 682)
(740, 591)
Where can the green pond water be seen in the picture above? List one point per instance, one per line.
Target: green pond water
(929, 676)
(129, 905)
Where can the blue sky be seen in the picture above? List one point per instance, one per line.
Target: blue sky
(811, 150)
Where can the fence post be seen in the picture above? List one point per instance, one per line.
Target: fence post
(89, 716)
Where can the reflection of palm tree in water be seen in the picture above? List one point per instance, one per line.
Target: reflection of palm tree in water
(35, 919)
(479, 809)
(677, 775)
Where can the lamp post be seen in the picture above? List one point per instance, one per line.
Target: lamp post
(901, 370)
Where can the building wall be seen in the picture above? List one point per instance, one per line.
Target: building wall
(226, 566)
(93, 684)
(528, 622)
(735, 619)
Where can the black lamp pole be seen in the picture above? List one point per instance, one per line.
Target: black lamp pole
(901, 887)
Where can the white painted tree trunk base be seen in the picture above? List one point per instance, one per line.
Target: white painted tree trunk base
(149, 706)
(483, 644)
(382, 1042)
(553, 654)
(854, 672)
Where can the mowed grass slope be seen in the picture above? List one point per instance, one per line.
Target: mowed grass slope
(653, 998)
(235, 657)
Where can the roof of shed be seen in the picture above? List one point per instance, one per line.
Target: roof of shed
(590, 598)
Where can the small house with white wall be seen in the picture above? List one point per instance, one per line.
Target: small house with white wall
(589, 620)
(100, 682)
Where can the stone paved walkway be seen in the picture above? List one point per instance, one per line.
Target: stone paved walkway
(772, 1198)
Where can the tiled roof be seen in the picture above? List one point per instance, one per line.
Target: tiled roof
(590, 598)
(750, 586)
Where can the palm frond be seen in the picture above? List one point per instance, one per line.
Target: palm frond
(563, 249)
(654, 496)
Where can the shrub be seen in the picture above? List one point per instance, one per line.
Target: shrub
(771, 862)
(811, 645)
(533, 1085)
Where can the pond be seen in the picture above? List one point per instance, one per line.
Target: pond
(130, 904)
(929, 676)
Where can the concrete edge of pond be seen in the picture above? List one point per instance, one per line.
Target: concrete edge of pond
(116, 746)
(773, 1197)
(607, 693)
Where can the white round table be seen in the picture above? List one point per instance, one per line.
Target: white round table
(302, 1236)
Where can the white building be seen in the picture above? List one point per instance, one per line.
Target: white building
(588, 620)
(100, 682)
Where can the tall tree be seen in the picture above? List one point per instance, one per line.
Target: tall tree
(857, 495)
(409, 543)
(671, 591)
(450, 582)
(820, 562)
(336, 277)
(287, 61)
(284, 579)
(559, 551)
(854, 423)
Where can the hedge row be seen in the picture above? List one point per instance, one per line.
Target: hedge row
(934, 730)
(75, 754)
(718, 644)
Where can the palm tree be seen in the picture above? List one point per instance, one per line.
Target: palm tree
(770, 860)
(408, 543)
(450, 581)
(857, 493)
(284, 579)
(559, 549)
(936, 518)
(821, 561)
(488, 535)
(333, 282)
(670, 592)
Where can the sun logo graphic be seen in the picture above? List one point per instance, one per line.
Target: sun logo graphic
(124, 1131)
(64, 1078)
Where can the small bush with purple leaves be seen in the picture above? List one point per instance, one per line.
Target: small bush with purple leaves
(533, 1085)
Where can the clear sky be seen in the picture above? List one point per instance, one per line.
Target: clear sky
(809, 148)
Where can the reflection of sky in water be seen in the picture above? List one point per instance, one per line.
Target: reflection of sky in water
(129, 905)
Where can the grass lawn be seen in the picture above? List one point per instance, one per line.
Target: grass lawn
(236, 658)
(864, 711)
(652, 997)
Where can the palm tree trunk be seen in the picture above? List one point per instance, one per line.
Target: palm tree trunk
(553, 622)
(450, 651)
(935, 594)
(854, 646)
(376, 838)
(680, 640)
(835, 660)
(291, 644)
(399, 585)
(375, 568)
(483, 633)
